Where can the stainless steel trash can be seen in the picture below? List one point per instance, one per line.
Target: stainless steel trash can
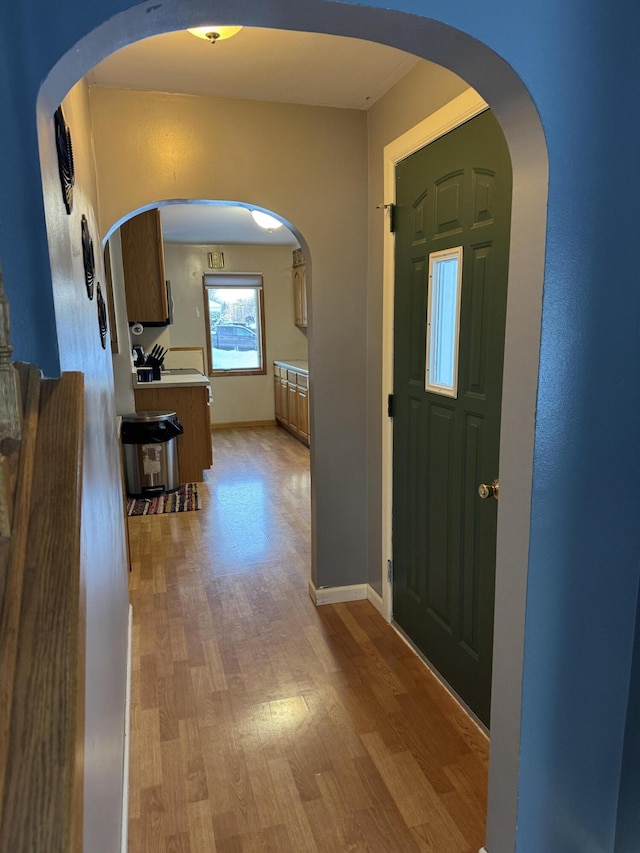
(150, 453)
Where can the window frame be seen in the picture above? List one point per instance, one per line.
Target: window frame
(434, 257)
(209, 283)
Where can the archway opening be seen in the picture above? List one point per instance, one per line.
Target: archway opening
(508, 98)
(207, 245)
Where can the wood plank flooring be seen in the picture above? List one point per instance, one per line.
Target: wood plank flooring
(262, 723)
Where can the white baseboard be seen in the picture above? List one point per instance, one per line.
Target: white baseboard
(337, 594)
(242, 424)
(127, 740)
(375, 599)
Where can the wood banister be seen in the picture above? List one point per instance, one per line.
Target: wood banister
(42, 626)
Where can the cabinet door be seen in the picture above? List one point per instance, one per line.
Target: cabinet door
(280, 393)
(284, 399)
(300, 295)
(302, 410)
(292, 405)
(277, 398)
(143, 264)
(303, 296)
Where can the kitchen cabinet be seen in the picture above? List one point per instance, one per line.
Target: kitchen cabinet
(291, 396)
(300, 293)
(302, 407)
(281, 398)
(292, 402)
(144, 273)
(191, 404)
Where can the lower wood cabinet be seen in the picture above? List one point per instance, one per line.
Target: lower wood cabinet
(280, 396)
(302, 414)
(292, 405)
(291, 395)
(191, 404)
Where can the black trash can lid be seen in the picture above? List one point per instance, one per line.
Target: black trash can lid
(147, 417)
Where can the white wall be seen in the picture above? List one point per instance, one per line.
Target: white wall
(298, 178)
(236, 398)
(418, 94)
(309, 165)
(103, 559)
(124, 399)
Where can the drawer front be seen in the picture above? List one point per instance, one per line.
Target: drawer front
(293, 377)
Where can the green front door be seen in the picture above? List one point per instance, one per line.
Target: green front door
(455, 194)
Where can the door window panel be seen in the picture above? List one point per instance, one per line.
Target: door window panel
(443, 322)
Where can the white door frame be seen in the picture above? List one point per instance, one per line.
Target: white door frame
(452, 115)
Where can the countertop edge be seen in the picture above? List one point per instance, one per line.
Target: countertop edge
(295, 364)
(172, 382)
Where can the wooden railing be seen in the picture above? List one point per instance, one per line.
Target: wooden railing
(42, 619)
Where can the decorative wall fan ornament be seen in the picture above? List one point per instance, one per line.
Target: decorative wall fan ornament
(88, 258)
(102, 315)
(65, 158)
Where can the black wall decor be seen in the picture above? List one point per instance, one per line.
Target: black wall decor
(65, 158)
(102, 315)
(88, 258)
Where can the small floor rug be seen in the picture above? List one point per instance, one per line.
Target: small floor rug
(184, 499)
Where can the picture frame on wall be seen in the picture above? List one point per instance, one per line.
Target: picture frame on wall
(215, 260)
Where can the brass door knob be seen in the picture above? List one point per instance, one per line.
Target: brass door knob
(491, 491)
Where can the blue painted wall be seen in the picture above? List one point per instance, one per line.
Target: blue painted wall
(580, 63)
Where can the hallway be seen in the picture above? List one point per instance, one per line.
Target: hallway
(262, 723)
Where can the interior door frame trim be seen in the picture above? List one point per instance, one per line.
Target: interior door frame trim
(522, 127)
(461, 109)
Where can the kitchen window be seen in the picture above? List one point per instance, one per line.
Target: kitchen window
(234, 316)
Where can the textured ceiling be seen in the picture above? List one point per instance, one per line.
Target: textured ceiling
(256, 64)
(213, 224)
(259, 64)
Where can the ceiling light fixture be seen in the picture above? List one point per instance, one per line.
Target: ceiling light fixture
(270, 223)
(214, 33)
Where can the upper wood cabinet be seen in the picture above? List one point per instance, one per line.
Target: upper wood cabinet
(299, 289)
(144, 275)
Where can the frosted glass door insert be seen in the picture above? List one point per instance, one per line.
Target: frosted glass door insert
(443, 321)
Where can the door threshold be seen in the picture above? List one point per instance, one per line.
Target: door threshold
(456, 696)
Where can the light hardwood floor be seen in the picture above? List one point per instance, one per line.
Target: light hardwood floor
(262, 723)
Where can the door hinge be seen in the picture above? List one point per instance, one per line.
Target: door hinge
(392, 218)
(390, 406)
(390, 571)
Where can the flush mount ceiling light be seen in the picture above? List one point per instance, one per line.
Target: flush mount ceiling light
(266, 221)
(214, 33)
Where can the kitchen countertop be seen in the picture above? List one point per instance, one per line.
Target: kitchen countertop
(296, 364)
(184, 380)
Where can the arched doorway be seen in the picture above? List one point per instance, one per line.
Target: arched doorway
(512, 106)
(204, 240)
